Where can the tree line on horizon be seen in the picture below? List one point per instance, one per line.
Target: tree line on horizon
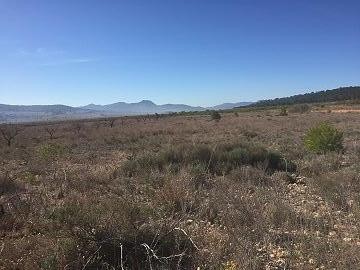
(338, 94)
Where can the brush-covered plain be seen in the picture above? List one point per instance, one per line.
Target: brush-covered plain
(181, 192)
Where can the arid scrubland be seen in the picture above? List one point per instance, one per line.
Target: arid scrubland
(181, 192)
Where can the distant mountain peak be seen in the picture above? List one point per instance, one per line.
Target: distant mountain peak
(148, 102)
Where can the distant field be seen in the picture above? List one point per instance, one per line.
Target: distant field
(344, 110)
(181, 192)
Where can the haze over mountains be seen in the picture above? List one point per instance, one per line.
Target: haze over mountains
(28, 113)
(22, 113)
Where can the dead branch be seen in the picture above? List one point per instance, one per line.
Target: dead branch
(159, 258)
(192, 242)
(91, 257)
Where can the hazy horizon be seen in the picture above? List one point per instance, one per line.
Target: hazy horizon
(194, 105)
(128, 102)
(199, 53)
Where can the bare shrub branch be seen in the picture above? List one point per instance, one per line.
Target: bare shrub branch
(9, 132)
(51, 130)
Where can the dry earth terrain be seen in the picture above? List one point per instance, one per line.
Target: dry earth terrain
(180, 192)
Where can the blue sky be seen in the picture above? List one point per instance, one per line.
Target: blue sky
(198, 52)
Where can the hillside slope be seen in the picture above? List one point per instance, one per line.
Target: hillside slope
(338, 94)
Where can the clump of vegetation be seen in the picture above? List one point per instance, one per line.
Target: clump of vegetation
(324, 138)
(215, 115)
(51, 151)
(299, 108)
(9, 132)
(7, 185)
(49, 263)
(283, 111)
(120, 242)
(217, 160)
(250, 134)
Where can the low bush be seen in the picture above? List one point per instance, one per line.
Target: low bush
(299, 108)
(7, 185)
(217, 160)
(129, 239)
(283, 111)
(215, 116)
(51, 151)
(250, 134)
(324, 138)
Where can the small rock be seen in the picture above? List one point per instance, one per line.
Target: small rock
(350, 203)
(189, 222)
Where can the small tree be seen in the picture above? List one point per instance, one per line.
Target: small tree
(324, 138)
(9, 132)
(51, 130)
(215, 115)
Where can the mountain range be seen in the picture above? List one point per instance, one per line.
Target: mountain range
(30, 113)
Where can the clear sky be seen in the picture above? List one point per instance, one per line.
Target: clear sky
(198, 52)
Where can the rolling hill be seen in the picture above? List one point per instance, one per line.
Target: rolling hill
(338, 94)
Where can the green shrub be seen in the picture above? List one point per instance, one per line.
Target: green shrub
(30, 178)
(49, 263)
(219, 160)
(170, 155)
(239, 156)
(324, 138)
(200, 154)
(283, 111)
(215, 116)
(51, 151)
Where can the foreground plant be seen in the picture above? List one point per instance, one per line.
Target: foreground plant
(324, 138)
